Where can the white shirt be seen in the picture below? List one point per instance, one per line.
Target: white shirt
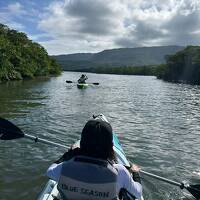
(124, 179)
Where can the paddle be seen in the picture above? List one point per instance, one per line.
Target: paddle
(86, 83)
(9, 131)
(69, 82)
(94, 83)
(193, 189)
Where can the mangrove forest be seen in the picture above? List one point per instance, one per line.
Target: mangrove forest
(22, 58)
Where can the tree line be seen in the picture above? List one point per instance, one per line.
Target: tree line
(181, 67)
(123, 70)
(22, 58)
(184, 66)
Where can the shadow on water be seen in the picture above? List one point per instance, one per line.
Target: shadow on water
(18, 98)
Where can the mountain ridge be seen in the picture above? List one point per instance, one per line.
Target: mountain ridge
(139, 56)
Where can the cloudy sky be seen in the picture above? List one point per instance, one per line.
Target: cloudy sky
(72, 26)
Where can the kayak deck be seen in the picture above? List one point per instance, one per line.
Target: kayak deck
(50, 191)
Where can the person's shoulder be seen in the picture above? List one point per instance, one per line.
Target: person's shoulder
(122, 170)
(68, 155)
(119, 167)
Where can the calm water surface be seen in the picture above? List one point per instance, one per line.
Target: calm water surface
(158, 124)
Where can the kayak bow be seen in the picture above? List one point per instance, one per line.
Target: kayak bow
(82, 85)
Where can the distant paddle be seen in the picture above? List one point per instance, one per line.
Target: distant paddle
(69, 82)
(76, 82)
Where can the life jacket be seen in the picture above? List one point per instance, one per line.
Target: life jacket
(85, 178)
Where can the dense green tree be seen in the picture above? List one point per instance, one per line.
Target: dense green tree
(184, 66)
(21, 58)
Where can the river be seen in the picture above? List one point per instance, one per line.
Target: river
(158, 124)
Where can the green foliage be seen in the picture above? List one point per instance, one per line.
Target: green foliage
(21, 58)
(160, 71)
(184, 66)
(124, 70)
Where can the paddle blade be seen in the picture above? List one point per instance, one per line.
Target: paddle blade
(69, 82)
(95, 83)
(194, 190)
(9, 131)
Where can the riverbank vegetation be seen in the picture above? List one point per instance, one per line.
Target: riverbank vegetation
(22, 58)
(181, 67)
(123, 70)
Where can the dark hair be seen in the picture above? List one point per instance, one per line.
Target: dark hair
(97, 140)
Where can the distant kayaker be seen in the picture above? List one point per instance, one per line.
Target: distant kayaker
(82, 79)
(89, 172)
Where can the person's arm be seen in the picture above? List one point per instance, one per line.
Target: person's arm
(135, 172)
(125, 181)
(54, 170)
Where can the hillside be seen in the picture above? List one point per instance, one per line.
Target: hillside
(22, 58)
(140, 56)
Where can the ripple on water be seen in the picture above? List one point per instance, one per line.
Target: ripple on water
(157, 123)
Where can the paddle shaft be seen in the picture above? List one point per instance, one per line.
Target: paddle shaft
(36, 139)
(86, 83)
(161, 178)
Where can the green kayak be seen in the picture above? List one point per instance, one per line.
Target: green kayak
(82, 85)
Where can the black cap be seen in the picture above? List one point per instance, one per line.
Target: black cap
(96, 137)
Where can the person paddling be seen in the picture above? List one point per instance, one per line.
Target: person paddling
(82, 79)
(90, 172)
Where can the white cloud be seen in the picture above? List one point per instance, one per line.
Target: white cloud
(84, 25)
(63, 46)
(91, 26)
(83, 17)
(163, 24)
(8, 14)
